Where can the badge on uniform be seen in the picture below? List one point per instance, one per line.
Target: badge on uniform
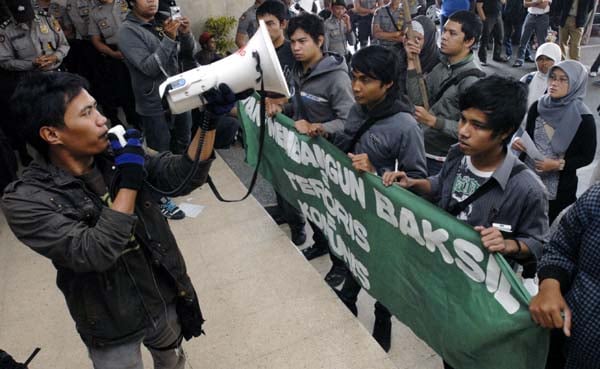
(44, 28)
(56, 25)
(124, 7)
(2, 38)
(103, 24)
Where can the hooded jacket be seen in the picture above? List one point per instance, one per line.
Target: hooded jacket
(151, 58)
(394, 137)
(322, 94)
(114, 287)
(444, 134)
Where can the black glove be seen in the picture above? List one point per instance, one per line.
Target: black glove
(7, 362)
(219, 100)
(129, 159)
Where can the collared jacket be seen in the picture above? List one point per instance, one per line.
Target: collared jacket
(444, 134)
(117, 271)
(151, 58)
(518, 200)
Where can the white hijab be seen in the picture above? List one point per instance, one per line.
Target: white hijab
(539, 83)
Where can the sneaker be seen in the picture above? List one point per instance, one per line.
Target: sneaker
(483, 63)
(501, 59)
(518, 63)
(593, 73)
(529, 59)
(169, 209)
(382, 332)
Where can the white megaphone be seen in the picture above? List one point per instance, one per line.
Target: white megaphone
(239, 71)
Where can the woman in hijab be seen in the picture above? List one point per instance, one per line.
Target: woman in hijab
(546, 56)
(430, 53)
(563, 129)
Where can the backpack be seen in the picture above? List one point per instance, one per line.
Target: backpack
(456, 79)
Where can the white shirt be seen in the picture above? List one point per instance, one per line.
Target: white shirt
(536, 11)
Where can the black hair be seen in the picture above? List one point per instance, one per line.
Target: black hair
(274, 8)
(470, 23)
(309, 23)
(379, 63)
(41, 99)
(502, 99)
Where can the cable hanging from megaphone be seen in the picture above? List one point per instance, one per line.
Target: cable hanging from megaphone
(240, 71)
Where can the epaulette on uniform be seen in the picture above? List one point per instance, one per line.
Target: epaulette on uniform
(5, 23)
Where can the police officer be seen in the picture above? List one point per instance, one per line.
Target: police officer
(364, 10)
(84, 59)
(247, 25)
(338, 30)
(31, 41)
(105, 19)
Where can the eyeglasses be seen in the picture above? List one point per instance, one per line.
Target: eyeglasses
(561, 80)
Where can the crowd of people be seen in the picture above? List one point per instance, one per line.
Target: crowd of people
(489, 150)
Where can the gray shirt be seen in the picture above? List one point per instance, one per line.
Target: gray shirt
(22, 43)
(247, 24)
(106, 19)
(77, 15)
(386, 24)
(337, 36)
(519, 200)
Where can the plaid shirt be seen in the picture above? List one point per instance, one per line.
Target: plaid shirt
(573, 258)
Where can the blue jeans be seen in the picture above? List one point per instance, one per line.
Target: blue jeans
(163, 342)
(539, 24)
(167, 135)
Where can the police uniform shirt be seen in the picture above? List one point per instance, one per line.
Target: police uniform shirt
(105, 20)
(59, 12)
(382, 19)
(78, 16)
(368, 4)
(248, 24)
(336, 35)
(21, 44)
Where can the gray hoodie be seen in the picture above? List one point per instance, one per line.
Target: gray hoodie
(323, 94)
(150, 60)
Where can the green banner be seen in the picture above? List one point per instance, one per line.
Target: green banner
(428, 268)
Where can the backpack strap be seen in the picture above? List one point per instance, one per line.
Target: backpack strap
(476, 72)
(458, 207)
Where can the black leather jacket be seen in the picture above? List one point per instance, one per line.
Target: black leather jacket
(114, 287)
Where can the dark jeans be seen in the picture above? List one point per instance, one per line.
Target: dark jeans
(489, 25)
(537, 23)
(349, 294)
(167, 135)
(117, 92)
(596, 64)
(293, 217)
(364, 29)
(512, 32)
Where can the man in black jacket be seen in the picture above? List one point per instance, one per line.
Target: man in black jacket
(91, 212)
